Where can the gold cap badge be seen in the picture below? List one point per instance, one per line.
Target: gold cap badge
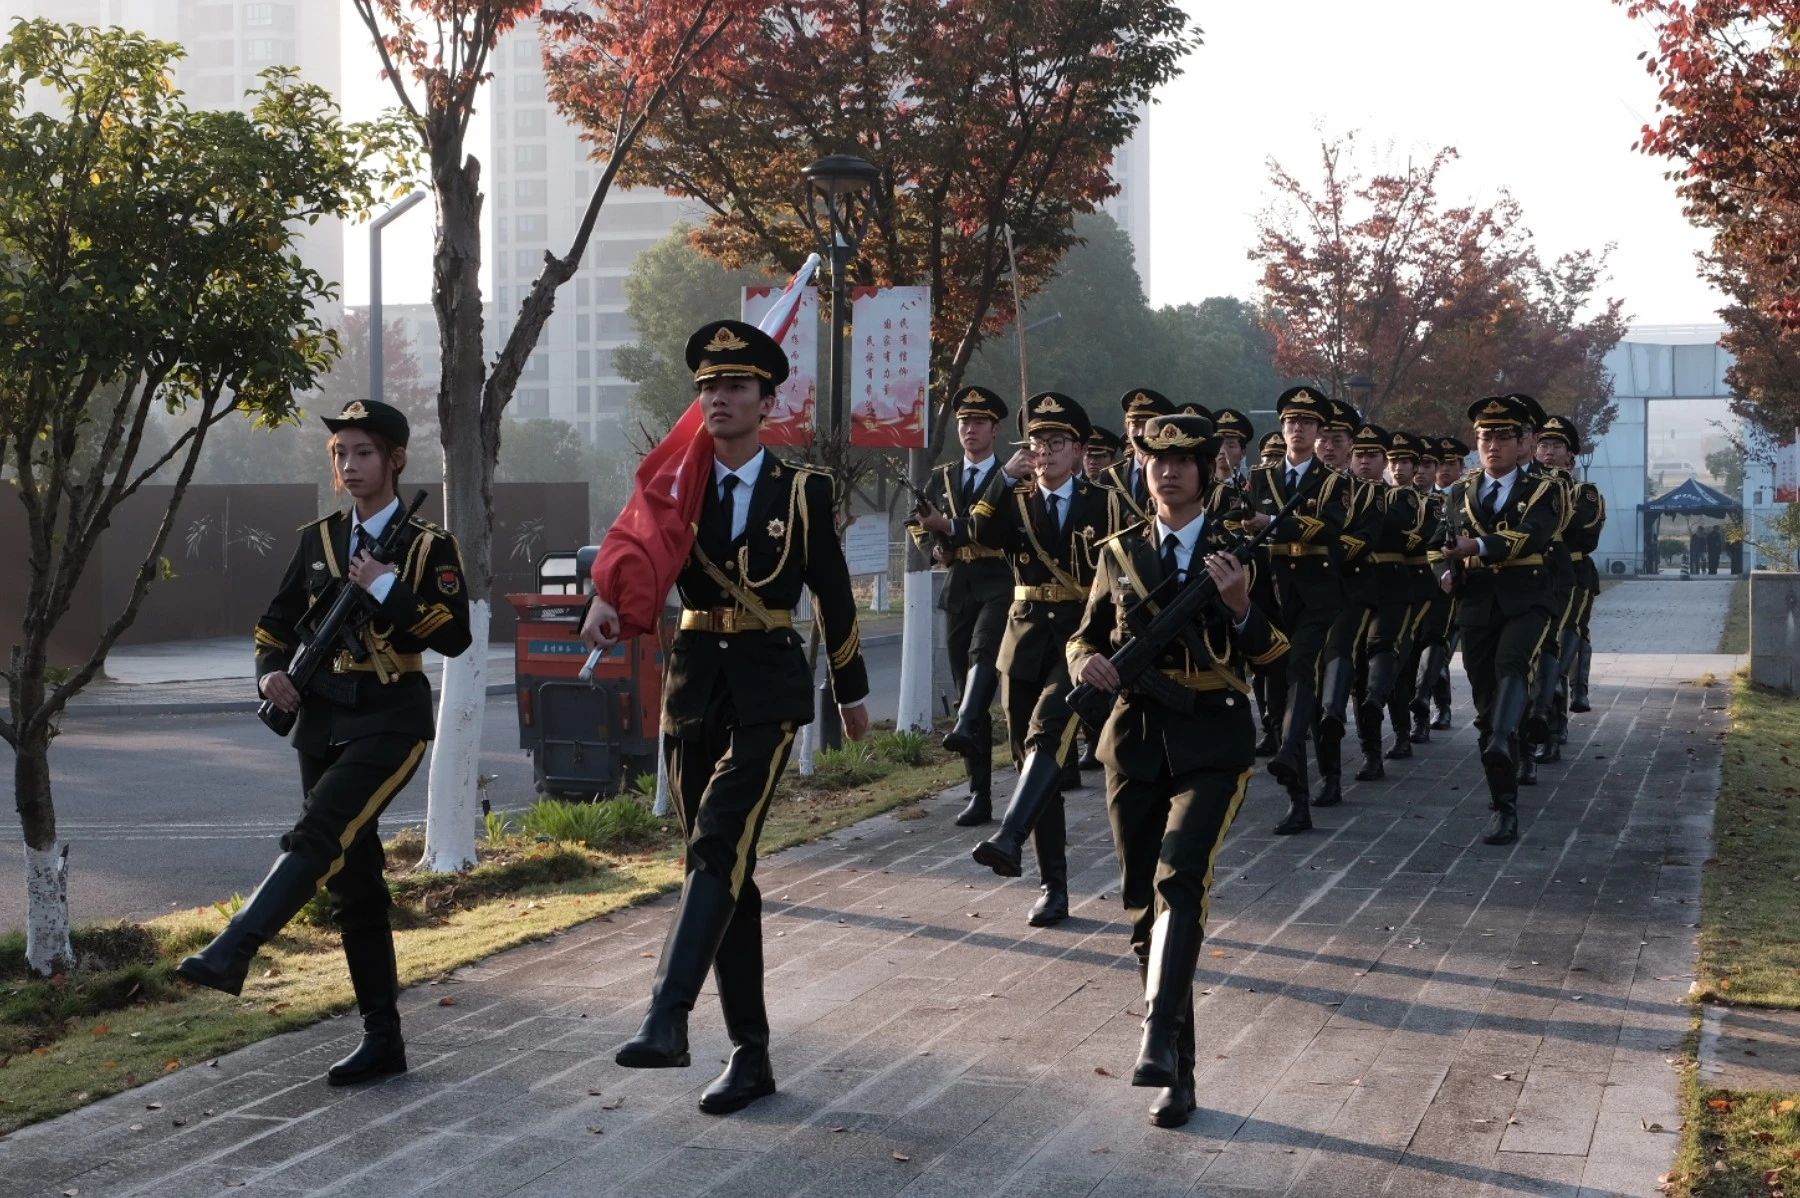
(726, 341)
(1049, 405)
(353, 411)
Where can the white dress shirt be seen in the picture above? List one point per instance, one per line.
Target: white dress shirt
(372, 529)
(1186, 537)
(1063, 494)
(740, 499)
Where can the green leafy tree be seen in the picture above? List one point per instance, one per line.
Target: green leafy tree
(673, 289)
(1221, 352)
(146, 264)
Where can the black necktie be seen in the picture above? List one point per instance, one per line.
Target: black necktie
(1169, 566)
(969, 486)
(1051, 503)
(1293, 481)
(359, 542)
(1492, 499)
(727, 485)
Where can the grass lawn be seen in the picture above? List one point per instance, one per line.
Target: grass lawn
(122, 1017)
(1735, 636)
(1737, 1142)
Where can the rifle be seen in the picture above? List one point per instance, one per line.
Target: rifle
(349, 608)
(1136, 659)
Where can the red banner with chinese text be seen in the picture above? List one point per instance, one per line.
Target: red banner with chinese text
(889, 367)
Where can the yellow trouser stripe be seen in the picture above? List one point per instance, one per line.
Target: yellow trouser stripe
(376, 802)
(747, 842)
(1212, 858)
(1068, 740)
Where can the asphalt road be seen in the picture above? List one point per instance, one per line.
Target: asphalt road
(173, 811)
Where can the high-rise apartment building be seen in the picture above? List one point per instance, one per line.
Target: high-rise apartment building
(228, 43)
(539, 183)
(1131, 207)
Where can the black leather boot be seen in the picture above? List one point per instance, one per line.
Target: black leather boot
(1298, 817)
(1440, 699)
(1039, 780)
(980, 764)
(1331, 764)
(972, 713)
(1334, 696)
(1421, 720)
(1050, 840)
(225, 963)
(1173, 1104)
(1527, 773)
(1543, 694)
(1503, 826)
(738, 970)
(1384, 672)
(1500, 754)
(370, 956)
(1399, 712)
(1168, 989)
(687, 953)
(1578, 687)
(1368, 736)
(1288, 766)
(1071, 778)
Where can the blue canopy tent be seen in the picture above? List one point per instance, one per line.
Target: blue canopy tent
(1692, 498)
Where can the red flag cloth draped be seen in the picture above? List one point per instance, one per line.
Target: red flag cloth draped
(644, 549)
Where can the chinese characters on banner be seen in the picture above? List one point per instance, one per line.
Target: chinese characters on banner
(889, 366)
(796, 401)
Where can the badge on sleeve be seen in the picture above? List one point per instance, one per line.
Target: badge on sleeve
(449, 582)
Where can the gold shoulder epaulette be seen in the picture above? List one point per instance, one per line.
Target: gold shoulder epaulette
(803, 468)
(428, 526)
(320, 520)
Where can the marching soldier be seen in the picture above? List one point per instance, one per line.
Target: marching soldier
(1308, 587)
(736, 689)
(1382, 593)
(1501, 522)
(1535, 731)
(1127, 476)
(1232, 428)
(1048, 521)
(361, 731)
(1434, 673)
(1175, 776)
(1557, 446)
(976, 593)
(1356, 564)
(1100, 453)
(1406, 456)
(1270, 682)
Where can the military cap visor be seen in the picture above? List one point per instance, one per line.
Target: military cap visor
(1273, 443)
(1142, 402)
(1105, 440)
(1343, 417)
(1054, 412)
(1369, 436)
(1403, 445)
(1534, 410)
(979, 402)
(1182, 433)
(1454, 447)
(372, 416)
(733, 349)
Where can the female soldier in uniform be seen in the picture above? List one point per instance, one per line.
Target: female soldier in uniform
(1174, 778)
(362, 729)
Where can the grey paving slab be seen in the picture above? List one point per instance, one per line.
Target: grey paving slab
(1385, 1006)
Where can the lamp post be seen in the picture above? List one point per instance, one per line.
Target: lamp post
(1362, 390)
(375, 228)
(835, 185)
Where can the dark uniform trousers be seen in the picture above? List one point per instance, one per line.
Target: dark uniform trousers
(1168, 832)
(1038, 720)
(347, 787)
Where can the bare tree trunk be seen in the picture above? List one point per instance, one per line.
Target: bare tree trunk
(452, 795)
(47, 946)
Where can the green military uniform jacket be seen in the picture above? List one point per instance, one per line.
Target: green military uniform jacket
(1142, 734)
(1050, 576)
(1511, 575)
(977, 574)
(426, 608)
(790, 541)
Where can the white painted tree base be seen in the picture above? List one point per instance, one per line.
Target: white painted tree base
(916, 651)
(453, 797)
(47, 946)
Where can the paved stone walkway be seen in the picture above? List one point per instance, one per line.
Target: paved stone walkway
(1387, 1007)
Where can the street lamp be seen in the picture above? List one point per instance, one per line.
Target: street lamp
(375, 228)
(1362, 389)
(835, 187)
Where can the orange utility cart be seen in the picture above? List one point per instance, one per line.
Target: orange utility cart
(584, 738)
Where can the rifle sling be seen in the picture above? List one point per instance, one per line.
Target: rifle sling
(1136, 582)
(739, 593)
